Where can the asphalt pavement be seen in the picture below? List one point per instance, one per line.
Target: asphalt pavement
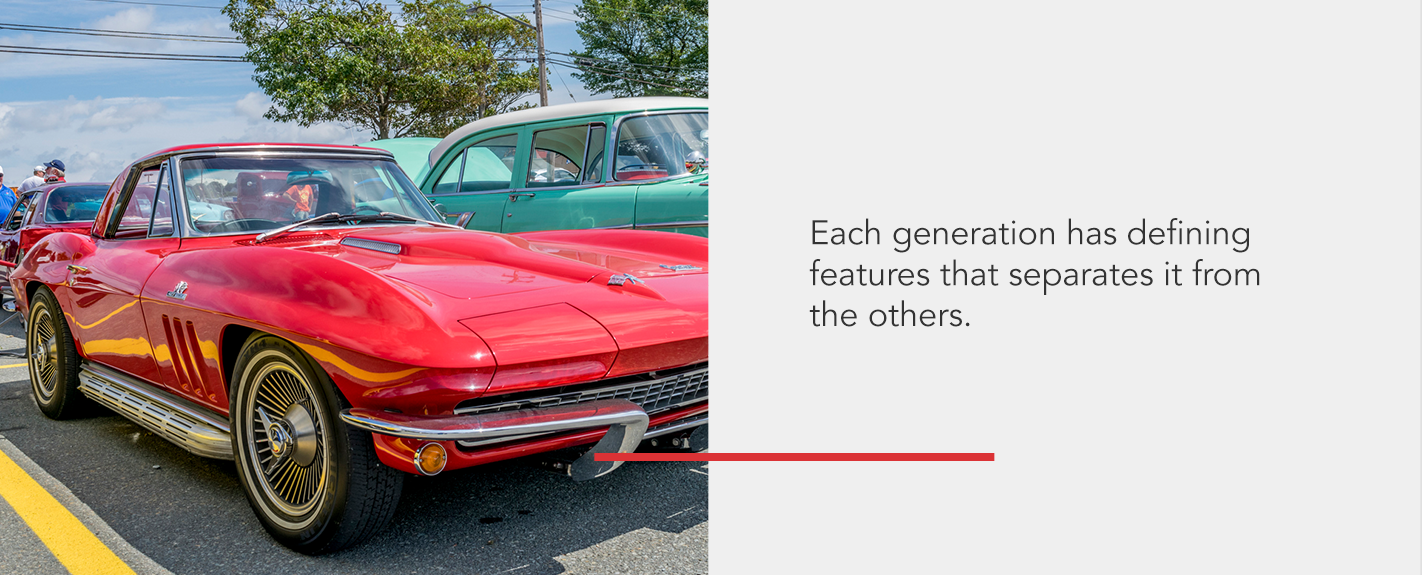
(187, 514)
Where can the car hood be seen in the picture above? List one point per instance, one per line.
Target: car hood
(465, 264)
(554, 307)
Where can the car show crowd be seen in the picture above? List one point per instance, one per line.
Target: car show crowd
(47, 173)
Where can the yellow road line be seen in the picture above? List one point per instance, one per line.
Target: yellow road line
(14, 365)
(71, 543)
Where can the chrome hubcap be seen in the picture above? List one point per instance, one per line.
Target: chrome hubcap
(286, 439)
(44, 353)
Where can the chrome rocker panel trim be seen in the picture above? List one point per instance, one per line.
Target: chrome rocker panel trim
(175, 419)
(626, 423)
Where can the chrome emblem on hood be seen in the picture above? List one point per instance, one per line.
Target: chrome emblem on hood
(179, 292)
(619, 279)
(679, 268)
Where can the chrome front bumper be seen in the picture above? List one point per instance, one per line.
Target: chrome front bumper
(626, 423)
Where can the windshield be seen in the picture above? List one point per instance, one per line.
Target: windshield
(74, 204)
(241, 195)
(662, 145)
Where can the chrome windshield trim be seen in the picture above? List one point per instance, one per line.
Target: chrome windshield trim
(175, 169)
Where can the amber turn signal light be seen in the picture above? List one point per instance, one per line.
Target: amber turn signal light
(430, 459)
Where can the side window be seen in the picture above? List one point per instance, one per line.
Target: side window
(449, 182)
(17, 213)
(597, 141)
(488, 165)
(162, 224)
(137, 213)
(552, 162)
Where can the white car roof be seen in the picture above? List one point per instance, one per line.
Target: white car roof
(610, 106)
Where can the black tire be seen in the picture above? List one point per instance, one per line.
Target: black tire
(54, 363)
(315, 483)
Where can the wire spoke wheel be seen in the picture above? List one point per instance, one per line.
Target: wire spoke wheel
(316, 484)
(44, 352)
(53, 360)
(286, 439)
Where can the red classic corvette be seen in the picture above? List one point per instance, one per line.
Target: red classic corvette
(299, 309)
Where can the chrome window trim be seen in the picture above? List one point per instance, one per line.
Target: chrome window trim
(463, 157)
(691, 224)
(617, 131)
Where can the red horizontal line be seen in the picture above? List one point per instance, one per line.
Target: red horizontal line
(795, 457)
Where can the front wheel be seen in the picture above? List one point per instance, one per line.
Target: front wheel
(315, 483)
(53, 361)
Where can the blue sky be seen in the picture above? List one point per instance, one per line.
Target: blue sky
(97, 114)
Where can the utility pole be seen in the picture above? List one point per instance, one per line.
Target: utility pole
(542, 55)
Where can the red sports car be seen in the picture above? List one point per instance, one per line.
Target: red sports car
(330, 336)
(69, 207)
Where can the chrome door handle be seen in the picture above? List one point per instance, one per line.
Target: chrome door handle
(515, 197)
(78, 269)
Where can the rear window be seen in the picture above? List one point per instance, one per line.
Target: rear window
(73, 204)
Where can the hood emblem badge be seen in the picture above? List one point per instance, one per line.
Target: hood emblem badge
(680, 268)
(179, 292)
(619, 279)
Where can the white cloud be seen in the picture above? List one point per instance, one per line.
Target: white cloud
(122, 118)
(252, 106)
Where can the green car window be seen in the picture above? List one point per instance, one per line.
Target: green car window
(553, 163)
(488, 165)
(661, 145)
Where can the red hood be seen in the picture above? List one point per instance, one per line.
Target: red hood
(548, 304)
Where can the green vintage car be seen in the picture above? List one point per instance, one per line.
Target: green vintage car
(621, 163)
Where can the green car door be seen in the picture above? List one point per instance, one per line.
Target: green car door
(561, 185)
(476, 182)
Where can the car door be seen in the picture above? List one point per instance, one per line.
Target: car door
(104, 287)
(10, 234)
(562, 184)
(476, 180)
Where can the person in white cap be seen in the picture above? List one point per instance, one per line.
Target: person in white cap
(7, 195)
(32, 181)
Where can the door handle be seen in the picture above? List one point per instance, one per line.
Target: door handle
(515, 197)
(78, 269)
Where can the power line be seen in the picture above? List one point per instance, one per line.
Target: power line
(121, 34)
(627, 63)
(174, 58)
(580, 70)
(158, 4)
(565, 84)
(587, 65)
(114, 54)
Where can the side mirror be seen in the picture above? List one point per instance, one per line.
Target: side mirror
(443, 213)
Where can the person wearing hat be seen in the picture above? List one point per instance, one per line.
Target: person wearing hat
(34, 181)
(54, 171)
(7, 195)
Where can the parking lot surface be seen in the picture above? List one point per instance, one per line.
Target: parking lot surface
(188, 514)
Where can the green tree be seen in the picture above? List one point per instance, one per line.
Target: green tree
(643, 47)
(351, 61)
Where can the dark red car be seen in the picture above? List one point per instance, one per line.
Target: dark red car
(68, 207)
(300, 309)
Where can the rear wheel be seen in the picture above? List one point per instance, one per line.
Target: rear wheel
(315, 483)
(54, 362)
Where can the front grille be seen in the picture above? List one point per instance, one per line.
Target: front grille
(652, 395)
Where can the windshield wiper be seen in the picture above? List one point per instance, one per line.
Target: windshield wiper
(264, 236)
(399, 217)
(337, 217)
